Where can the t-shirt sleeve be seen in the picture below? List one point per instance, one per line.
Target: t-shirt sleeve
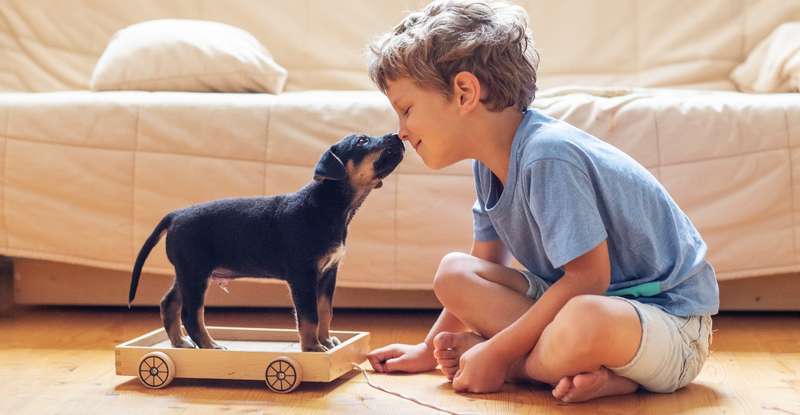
(483, 230)
(564, 206)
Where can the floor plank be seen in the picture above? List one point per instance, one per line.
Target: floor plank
(60, 360)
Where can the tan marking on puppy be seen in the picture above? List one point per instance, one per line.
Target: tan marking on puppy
(205, 340)
(324, 311)
(172, 315)
(309, 337)
(362, 179)
(363, 174)
(331, 259)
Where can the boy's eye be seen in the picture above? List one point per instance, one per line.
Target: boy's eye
(407, 110)
(362, 140)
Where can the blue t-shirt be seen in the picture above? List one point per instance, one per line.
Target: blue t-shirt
(567, 191)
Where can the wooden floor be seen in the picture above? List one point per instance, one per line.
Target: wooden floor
(61, 361)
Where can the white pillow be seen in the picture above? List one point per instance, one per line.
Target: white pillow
(187, 55)
(773, 65)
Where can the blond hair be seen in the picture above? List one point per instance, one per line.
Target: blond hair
(489, 39)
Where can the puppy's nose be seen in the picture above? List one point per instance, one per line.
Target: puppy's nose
(394, 141)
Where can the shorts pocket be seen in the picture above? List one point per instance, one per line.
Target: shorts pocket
(704, 342)
(696, 335)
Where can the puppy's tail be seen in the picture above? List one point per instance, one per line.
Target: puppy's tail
(151, 241)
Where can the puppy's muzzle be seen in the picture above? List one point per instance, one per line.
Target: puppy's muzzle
(392, 155)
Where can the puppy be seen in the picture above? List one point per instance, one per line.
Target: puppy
(297, 237)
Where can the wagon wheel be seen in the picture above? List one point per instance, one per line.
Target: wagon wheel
(156, 370)
(283, 374)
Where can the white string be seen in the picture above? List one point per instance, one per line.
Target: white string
(399, 395)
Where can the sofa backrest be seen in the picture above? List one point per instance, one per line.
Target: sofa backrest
(48, 45)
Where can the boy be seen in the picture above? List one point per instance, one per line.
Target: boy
(617, 293)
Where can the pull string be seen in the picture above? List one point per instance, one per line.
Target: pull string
(399, 395)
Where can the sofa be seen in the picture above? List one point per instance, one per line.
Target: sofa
(85, 175)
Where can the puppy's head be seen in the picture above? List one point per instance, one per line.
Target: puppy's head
(361, 159)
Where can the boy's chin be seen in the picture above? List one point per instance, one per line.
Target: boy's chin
(437, 164)
(431, 164)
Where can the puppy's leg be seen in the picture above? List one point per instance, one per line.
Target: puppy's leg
(200, 315)
(170, 317)
(305, 307)
(193, 286)
(325, 308)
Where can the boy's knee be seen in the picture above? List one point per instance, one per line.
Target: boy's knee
(580, 326)
(450, 275)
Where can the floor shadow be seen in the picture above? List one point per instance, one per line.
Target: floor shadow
(531, 397)
(230, 390)
(692, 397)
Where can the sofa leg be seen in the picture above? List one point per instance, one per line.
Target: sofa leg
(6, 286)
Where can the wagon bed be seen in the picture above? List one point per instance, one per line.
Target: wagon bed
(269, 355)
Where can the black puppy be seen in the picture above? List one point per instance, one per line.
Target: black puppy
(297, 237)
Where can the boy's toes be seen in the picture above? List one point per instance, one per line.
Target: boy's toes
(562, 387)
(448, 348)
(601, 382)
(446, 354)
(448, 362)
(451, 345)
(449, 371)
(444, 341)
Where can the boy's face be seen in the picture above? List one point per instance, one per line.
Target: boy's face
(428, 121)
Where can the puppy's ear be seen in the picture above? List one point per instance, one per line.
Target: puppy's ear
(329, 167)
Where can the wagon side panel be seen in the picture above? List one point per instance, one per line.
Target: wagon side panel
(342, 360)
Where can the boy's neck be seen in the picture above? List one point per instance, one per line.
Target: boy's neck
(492, 139)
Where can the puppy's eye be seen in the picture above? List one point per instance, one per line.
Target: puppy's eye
(362, 140)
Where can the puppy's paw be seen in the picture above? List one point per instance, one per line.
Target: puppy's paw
(215, 345)
(185, 343)
(315, 348)
(331, 342)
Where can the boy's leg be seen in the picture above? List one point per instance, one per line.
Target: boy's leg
(492, 297)
(590, 332)
(492, 300)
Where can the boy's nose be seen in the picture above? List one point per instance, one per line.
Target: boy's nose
(403, 134)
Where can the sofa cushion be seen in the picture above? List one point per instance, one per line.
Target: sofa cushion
(774, 65)
(86, 176)
(187, 55)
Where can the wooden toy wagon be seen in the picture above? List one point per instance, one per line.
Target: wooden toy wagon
(271, 355)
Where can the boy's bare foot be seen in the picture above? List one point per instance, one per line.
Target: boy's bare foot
(448, 348)
(591, 385)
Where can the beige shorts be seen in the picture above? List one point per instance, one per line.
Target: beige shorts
(672, 350)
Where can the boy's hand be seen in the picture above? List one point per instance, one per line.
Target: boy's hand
(402, 358)
(480, 370)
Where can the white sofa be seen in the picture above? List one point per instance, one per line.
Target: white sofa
(87, 175)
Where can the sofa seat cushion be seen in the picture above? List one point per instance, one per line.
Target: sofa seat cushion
(87, 175)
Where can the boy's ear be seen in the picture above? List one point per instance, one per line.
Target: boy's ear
(467, 90)
(329, 167)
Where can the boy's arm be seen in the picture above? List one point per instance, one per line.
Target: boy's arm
(493, 251)
(587, 274)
